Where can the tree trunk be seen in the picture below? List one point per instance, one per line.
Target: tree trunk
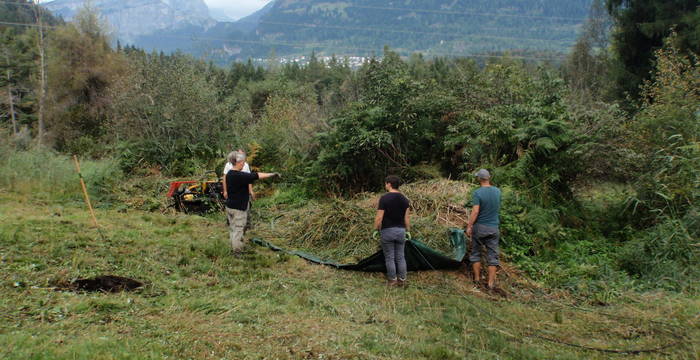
(42, 75)
(12, 104)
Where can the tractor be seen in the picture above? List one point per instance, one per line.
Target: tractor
(198, 196)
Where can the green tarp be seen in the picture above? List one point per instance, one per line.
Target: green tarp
(418, 256)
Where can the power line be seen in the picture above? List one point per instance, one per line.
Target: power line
(383, 30)
(387, 8)
(26, 24)
(451, 12)
(387, 30)
(406, 31)
(318, 45)
(451, 34)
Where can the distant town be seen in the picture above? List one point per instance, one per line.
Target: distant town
(352, 61)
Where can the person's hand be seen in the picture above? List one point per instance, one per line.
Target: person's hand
(252, 196)
(277, 175)
(408, 236)
(225, 195)
(375, 234)
(469, 231)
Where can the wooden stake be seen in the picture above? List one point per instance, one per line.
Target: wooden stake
(85, 193)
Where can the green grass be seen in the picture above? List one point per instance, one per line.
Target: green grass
(45, 175)
(201, 302)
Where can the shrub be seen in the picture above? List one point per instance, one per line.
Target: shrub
(668, 127)
(667, 255)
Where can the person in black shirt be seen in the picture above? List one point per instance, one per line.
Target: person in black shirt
(392, 221)
(237, 197)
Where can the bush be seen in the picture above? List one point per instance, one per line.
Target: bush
(525, 132)
(168, 115)
(667, 255)
(669, 134)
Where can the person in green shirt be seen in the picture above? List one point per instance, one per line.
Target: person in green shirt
(482, 227)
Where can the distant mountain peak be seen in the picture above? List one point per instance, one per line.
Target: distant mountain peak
(133, 18)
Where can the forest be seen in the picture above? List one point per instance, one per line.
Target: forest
(598, 155)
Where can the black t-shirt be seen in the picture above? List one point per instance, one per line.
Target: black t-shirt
(394, 206)
(237, 186)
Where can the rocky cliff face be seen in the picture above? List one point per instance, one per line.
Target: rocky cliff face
(130, 19)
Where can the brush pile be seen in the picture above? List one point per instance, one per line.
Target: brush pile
(441, 200)
(342, 230)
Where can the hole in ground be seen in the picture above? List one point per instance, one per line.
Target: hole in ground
(105, 283)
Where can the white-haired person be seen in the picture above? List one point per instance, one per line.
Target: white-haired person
(237, 196)
(230, 161)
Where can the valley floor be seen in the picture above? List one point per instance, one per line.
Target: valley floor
(201, 302)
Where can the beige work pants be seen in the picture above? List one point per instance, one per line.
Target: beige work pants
(236, 223)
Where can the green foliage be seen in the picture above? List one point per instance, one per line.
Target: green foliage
(42, 173)
(642, 26)
(81, 69)
(276, 120)
(359, 134)
(587, 67)
(395, 124)
(19, 56)
(556, 148)
(524, 132)
(448, 28)
(667, 255)
(668, 125)
(167, 116)
(24, 11)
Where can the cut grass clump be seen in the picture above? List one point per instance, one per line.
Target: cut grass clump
(341, 229)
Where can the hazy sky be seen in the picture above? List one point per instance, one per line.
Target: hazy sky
(237, 8)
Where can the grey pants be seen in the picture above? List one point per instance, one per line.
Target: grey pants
(236, 223)
(487, 236)
(393, 244)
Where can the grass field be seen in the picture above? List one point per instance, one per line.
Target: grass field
(201, 302)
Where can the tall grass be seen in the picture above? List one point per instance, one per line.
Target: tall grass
(43, 174)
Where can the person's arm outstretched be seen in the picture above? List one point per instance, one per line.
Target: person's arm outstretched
(267, 175)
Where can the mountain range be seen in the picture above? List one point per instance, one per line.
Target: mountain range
(344, 27)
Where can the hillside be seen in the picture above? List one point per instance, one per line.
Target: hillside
(357, 28)
(430, 26)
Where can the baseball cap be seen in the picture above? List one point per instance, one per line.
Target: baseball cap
(483, 174)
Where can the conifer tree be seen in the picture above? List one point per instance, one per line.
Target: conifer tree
(641, 26)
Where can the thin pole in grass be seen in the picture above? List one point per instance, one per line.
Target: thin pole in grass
(86, 196)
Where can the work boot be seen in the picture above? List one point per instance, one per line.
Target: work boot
(402, 283)
(392, 283)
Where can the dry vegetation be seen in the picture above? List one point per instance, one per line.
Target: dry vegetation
(341, 229)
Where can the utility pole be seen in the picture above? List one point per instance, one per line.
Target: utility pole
(42, 73)
(11, 100)
(10, 97)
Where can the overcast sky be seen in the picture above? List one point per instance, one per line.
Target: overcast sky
(237, 8)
